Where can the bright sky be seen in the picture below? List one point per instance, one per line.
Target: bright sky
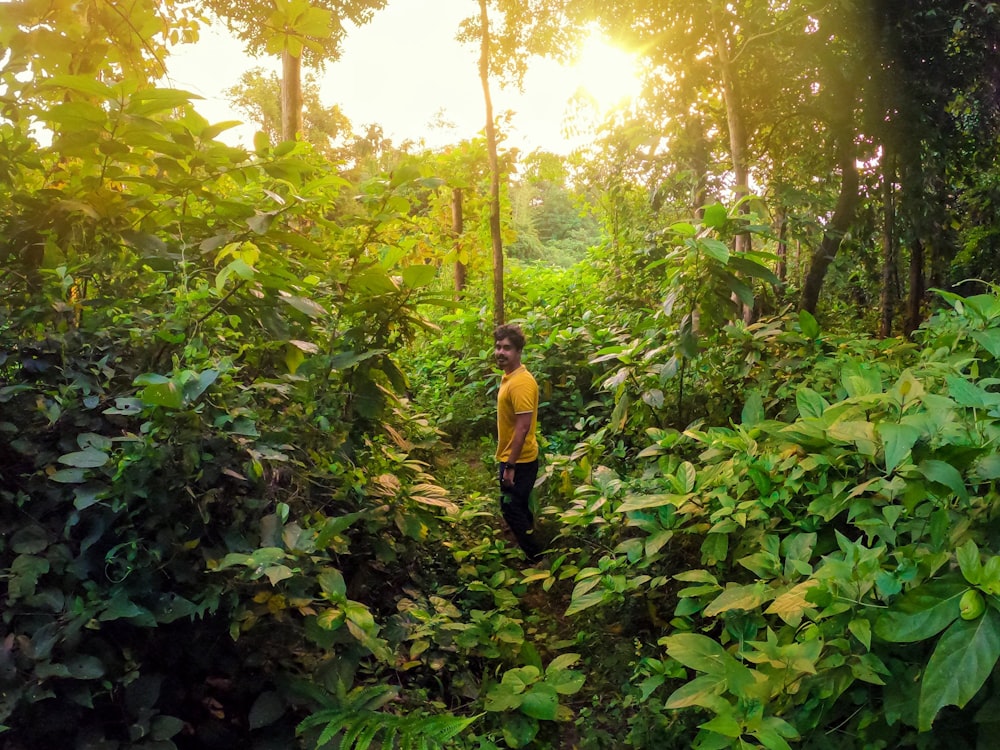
(404, 68)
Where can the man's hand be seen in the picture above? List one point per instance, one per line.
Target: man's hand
(507, 478)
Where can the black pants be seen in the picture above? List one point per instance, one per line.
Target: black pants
(516, 508)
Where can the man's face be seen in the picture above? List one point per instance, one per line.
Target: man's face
(508, 358)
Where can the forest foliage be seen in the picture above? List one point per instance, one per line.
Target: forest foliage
(246, 418)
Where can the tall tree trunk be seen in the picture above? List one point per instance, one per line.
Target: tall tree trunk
(916, 295)
(843, 214)
(457, 229)
(491, 148)
(291, 96)
(781, 271)
(890, 293)
(737, 138)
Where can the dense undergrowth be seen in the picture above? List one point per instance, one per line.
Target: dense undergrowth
(246, 499)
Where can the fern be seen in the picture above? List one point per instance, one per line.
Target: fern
(359, 724)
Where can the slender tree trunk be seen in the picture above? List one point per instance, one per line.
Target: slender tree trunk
(734, 118)
(843, 213)
(458, 228)
(890, 294)
(781, 271)
(737, 138)
(491, 147)
(291, 96)
(916, 295)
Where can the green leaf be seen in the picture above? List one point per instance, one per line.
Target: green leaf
(810, 403)
(946, 474)
(715, 249)
(808, 325)
(962, 661)
(519, 730)
(267, 709)
(502, 698)
(417, 276)
(304, 305)
(644, 502)
(82, 84)
(167, 395)
(989, 340)
(971, 395)
(747, 597)
(969, 562)
(333, 585)
(922, 612)
(701, 691)
(592, 597)
(566, 681)
(714, 216)
(89, 458)
(898, 440)
(541, 702)
(700, 652)
(150, 101)
(753, 410)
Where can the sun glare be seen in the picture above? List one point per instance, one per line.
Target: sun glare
(606, 73)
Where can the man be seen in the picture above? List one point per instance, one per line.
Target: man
(517, 446)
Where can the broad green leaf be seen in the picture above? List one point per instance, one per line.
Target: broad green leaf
(715, 249)
(592, 597)
(277, 573)
(519, 730)
(745, 265)
(644, 502)
(267, 709)
(541, 702)
(988, 467)
(565, 681)
(149, 101)
(699, 652)
(502, 698)
(167, 395)
(747, 597)
(563, 661)
(898, 440)
(374, 281)
(946, 474)
(520, 679)
(962, 661)
(704, 690)
(82, 84)
(303, 305)
(714, 216)
(197, 385)
(417, 276)
(753, 410)
(971, 395)
(922, 612)
(793, 604)
(810, 403)
(862, 630)
(686, 477)
(989, 340)
(723, 724)
(969, 562)
(808, 325)
(332, 584)
(89, 458)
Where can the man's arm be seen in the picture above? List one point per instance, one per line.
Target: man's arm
(522, 423)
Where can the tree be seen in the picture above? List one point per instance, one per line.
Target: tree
(258, 96)
(309, 31)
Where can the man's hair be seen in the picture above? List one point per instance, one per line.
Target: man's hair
(511, 332)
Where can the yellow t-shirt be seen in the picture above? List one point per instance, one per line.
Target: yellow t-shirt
(518, 395)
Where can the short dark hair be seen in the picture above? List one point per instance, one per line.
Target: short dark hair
(511, 332)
